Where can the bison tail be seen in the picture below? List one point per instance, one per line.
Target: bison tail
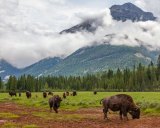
(101, 101)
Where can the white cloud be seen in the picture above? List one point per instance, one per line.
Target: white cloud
(28, 29)
(150, 5)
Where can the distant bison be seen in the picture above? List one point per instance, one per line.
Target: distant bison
(74, 93)
(95, 92)
(67, 93)
(28, 94)
(44, 94)
(50, 93)
(54, 102)
(12, 93)
(123, 103)
(64, 95)
(20, 94)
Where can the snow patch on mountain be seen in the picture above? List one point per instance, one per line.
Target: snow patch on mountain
(139, 55)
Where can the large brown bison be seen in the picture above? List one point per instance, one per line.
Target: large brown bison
(54, 102)
(44, 94)
(12, 93)
(28, 94)
(122, 103)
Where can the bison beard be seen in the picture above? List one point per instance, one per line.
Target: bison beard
(122, 103)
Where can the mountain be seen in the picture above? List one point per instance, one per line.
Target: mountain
(88, 26)
(41, 67)
(102, 57)
(94, 58)
(37, 69)
(129, 11)
(86, 60)
(6, 69)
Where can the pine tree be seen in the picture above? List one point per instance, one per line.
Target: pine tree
(158, 68)
(1, 84)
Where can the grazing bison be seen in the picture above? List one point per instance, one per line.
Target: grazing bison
(64, 95)
(74, 93)
(50, 93)
(12, 93)
(28, 94)
(54, 102)
(67, 93)
(19, 94)
(44, 94)
(122, 103)
(95, 92)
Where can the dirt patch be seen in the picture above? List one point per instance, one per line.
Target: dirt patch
(3, 121)
(85, 118)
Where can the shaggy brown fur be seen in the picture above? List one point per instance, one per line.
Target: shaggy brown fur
(122, 103)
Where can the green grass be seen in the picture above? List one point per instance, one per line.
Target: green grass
(8, 115)
(53, 116)
(14, 125)
(149, 102)
(10, 125)
(30, 126)
(62, 117)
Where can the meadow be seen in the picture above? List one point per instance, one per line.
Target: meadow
(149, 102)
(84, 109)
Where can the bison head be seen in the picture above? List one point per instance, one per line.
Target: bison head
(135, 113)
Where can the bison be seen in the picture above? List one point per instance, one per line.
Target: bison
(50, 93)
(44, 94)
(54, 102)
(95, 92)
(67, 93)
(64, 95)
(74, 93)
(12, 93)
(28, 94)
(20, 94)
(122, 103)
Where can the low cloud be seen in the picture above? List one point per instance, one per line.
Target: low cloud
(149, 5)
(29, 30)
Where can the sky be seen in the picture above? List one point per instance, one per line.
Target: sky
(29, 28)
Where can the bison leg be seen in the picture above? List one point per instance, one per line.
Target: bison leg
(55, 109)
(124, 112)
(105, 113)
(120, 114)
(50, 107)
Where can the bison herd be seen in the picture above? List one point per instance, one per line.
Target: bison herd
(121, 102)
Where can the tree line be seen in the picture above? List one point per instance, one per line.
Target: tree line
(140, 78)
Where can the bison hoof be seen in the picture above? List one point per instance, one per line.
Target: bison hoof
(126, 118)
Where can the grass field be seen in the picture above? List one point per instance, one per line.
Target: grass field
(149, 102)
(84, 109)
